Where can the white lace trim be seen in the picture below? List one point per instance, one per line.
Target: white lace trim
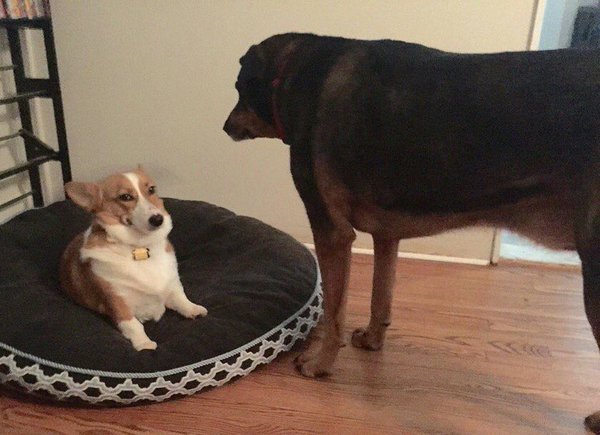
(75, 389)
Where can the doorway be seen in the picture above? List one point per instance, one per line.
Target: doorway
(554, 27)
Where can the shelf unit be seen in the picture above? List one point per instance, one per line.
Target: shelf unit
(36, 151)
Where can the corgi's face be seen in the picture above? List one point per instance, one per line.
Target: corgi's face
(126, 205)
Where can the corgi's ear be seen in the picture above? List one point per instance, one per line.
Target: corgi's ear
(86, 195)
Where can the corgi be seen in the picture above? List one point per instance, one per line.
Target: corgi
(123, 266)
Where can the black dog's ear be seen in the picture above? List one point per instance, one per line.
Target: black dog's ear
(253, 65)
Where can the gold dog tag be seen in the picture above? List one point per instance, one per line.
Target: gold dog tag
(141, 254)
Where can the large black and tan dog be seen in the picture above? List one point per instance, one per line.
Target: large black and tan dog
(399, 140)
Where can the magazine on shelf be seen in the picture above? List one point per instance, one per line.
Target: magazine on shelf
(19, 9)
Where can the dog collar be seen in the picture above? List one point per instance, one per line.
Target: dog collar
(279, 128)
(140, 254)
(276, 118)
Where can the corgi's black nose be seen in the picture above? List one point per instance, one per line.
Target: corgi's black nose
(156, 220)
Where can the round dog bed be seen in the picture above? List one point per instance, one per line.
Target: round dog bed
(261, 289)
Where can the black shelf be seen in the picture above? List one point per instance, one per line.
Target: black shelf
(19, 97)
(36, 150)
(32, 23)
(30, 164)
(10, 136)
(15, 200)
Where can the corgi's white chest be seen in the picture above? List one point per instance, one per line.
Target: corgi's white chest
(116, 264)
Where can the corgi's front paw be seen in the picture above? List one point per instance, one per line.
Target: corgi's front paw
(134, 331)
(145, 345)
(191, 311)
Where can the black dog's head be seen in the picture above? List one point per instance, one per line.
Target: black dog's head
(261, 65)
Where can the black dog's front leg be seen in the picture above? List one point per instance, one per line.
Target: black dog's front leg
(333, 252)
(333, 237)
(384, 277)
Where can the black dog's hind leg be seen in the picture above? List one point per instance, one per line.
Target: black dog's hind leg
(588, 247)
(591, 290)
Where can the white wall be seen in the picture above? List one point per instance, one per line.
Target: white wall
(151, 82)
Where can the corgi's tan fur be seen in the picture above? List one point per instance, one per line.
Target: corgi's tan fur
(98, 268)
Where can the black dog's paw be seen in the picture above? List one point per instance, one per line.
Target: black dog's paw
(364, 338)
(592, 423)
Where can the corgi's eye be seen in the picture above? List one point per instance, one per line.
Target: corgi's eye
(152, 190)
(126, 197)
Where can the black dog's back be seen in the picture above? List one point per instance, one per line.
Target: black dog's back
(452, 132)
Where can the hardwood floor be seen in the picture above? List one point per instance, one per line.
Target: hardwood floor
(471, 350)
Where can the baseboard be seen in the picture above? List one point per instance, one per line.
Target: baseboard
(417, 256)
